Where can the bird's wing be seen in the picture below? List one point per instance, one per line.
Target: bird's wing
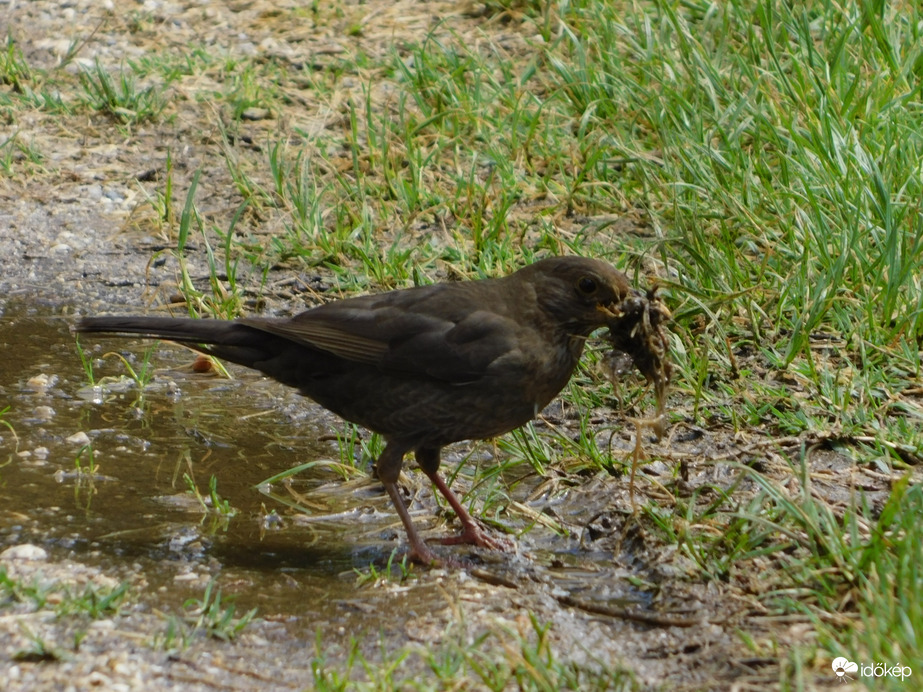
(412, 332)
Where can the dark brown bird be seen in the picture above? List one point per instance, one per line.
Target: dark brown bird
(424, 366)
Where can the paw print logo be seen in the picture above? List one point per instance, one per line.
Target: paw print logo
(842, 667)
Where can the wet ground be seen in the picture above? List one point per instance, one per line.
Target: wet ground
(137, 504)
(68, 246)
(135, 520)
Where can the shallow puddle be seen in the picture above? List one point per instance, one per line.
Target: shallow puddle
(136, 513)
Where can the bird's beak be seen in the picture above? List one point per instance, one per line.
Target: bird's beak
(610, 312)
(663, 311)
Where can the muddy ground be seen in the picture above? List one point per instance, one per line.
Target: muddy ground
(70, 244)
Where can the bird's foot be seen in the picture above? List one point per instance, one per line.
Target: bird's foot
(422, 555)
(473, 534)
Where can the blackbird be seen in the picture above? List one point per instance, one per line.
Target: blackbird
(425, 366)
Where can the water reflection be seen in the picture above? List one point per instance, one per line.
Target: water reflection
(102, 472)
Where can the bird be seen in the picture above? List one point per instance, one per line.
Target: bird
(429, 365)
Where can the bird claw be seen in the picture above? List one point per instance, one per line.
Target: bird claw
(422, 555)
(475, 535)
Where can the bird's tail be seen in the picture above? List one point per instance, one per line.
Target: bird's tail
(233, 341)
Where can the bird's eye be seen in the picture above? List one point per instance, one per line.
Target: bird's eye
(587, 286)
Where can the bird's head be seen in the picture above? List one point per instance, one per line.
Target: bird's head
(579, 293)
(582, 295)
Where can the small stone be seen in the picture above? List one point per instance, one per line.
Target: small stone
(80, 438)
(24, 551)
(254, 113)
(38, 382)
(97, 679)
(44, 412)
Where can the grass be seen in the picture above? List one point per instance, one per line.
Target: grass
(503, 658)
(213, 505)
(94, 601)
(764, 154)
(399, 570)
(15, 153)
(67, 603)
(12, 431)
(214, 616)
(121, 97)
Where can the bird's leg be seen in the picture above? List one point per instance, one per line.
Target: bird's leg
(388, 467)
(472, 533)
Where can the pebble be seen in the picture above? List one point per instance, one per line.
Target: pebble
(24, 551)
(39, 382)
(79, 438)
(113, 194)
(44, 412)
(254, 113)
